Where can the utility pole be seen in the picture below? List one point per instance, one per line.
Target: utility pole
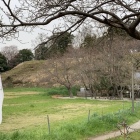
(132, 87)
(132, 82)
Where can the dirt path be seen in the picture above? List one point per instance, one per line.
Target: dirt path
(133, 127)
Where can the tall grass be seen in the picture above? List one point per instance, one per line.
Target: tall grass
(98, 124)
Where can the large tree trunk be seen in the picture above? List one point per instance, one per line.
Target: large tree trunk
(70, 92)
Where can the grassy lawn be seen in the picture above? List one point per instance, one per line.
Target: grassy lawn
(131, 136)
(25, 113)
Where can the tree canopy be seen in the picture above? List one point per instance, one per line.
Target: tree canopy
(57, 44)
(3, 63)
(22, 14)
(25, 55)
(89, 41)
(21, 56)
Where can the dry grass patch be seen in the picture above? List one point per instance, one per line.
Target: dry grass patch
(19, 122)
(82, 105)
(18, 94)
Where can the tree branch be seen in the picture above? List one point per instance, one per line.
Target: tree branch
(118, 13)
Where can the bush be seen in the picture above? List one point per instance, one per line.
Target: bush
(61, 91)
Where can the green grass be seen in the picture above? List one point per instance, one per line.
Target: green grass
(21, 89)
(47, 91)
(131, 136)
(25, 113)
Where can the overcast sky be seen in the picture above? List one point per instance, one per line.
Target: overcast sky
(25, 39)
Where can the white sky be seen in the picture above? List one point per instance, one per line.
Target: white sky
(25, 39)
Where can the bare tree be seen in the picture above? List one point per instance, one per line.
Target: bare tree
(87, 70)
(62, 71)
(19, 15)
(105, 66)
(9, 51)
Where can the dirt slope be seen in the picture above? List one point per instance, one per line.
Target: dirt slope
(37, 73)
(28, 73)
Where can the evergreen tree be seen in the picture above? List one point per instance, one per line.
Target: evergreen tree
(3, 63)
(112, 31)
(24, 55)
(89, 41)
(56, 46)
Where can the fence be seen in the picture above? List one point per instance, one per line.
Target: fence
(106, 121)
